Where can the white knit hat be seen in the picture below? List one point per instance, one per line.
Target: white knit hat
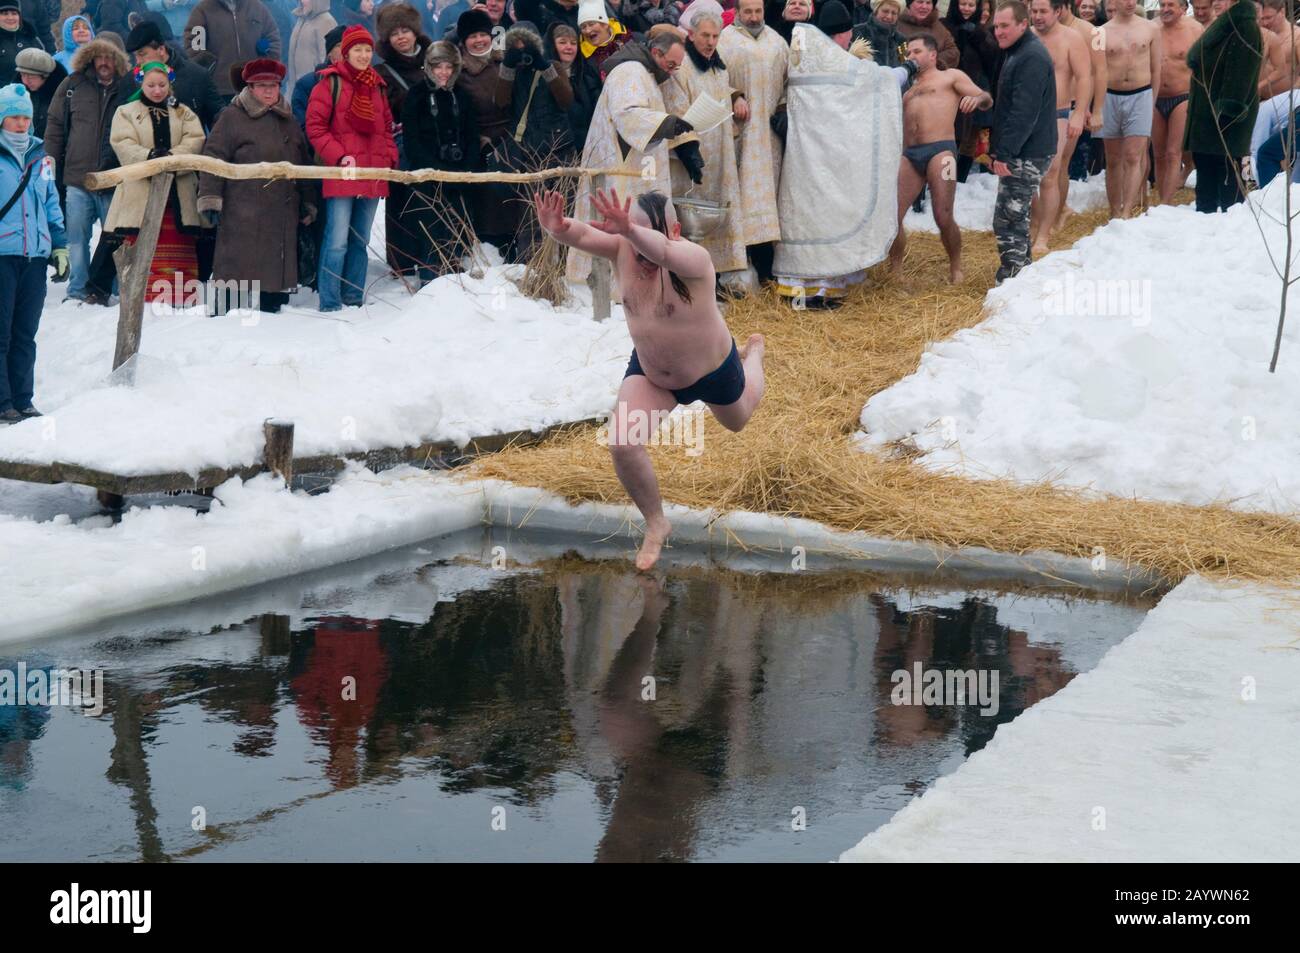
(592, 10)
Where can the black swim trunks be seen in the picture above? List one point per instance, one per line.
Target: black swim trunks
(723, 386)
(921, 155)
(1165, 105)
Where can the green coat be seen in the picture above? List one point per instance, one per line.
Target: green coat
(1225, 64)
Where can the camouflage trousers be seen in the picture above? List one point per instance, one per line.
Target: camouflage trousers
(1011, 212)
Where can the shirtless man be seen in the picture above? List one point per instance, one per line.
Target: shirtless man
(930, 108)
(1281, 71)
(1097, 54)
(1178, 32)
(1073, 67)
(1132, 68)
(682, 350)
(1202, 12)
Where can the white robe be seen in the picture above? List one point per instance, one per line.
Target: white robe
(631, 106)
(838, 199)
(757, 67)
(721, 185)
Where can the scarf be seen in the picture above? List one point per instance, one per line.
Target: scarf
(365, 114)
(701, 64)
(17, 142)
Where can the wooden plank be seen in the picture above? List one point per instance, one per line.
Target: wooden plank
(133, 263)
(441, 454)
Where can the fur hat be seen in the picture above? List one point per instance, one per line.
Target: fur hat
(101, 45)
(443, 51)
(394, 16)
(262, 71)
(35, 61)
(471, 22)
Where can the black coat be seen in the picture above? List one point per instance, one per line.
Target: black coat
(194, 87)
(445, 137)
(884, 40)
(36, 15)
(544, 14)
(1024, 106)
(115, 15)
(11, 44)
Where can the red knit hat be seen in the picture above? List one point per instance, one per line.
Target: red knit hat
(356, 34)
(262, 71)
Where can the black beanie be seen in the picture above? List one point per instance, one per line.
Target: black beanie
(834, 19)
(334, 37)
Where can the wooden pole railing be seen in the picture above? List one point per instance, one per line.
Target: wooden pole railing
(133, 262)
(96, 181)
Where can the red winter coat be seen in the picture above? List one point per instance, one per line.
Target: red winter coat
(331, 132)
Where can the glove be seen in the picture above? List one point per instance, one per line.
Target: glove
(540, 62)
(213, 218)
(912, 69)
(671, 128)
(60, 256)
(516, 57)
(689, 154)
(780, 124)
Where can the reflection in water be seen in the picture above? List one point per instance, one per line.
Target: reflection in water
(700, 712)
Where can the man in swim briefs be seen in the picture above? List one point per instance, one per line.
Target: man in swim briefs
(929, 152)
(682, 351)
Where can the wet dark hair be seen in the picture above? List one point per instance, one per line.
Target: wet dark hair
(655, 206)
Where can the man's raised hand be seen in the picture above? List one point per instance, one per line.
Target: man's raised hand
(550, 210)
(616, 216)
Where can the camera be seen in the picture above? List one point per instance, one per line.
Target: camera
(451, 153)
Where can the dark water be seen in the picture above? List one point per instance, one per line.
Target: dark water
(488, 698)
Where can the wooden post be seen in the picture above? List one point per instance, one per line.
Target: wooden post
(133, 263)
(278, 453)
(599, 278)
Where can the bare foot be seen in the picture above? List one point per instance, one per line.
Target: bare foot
(656, 534)
(955, 275)
(1038, 251)
(1066, 214)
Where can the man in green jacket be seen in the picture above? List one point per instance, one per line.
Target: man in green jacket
(1225, 64)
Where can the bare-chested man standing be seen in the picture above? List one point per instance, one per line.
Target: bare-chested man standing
(930, 108)
(1133, 68)
(1097, 55)
(682, 350)
(1178, 32)
(1281, 70)
(1073, 68)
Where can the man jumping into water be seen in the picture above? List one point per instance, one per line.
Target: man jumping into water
(682, 351)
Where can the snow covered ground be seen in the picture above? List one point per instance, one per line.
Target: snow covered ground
(1177, 747)
(1135, 363)
(973, 204)
(464, 357)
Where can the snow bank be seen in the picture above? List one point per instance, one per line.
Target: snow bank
(1175, 748)
(464, 357)
(1135, 362)
(973, 204)
(60, 575)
